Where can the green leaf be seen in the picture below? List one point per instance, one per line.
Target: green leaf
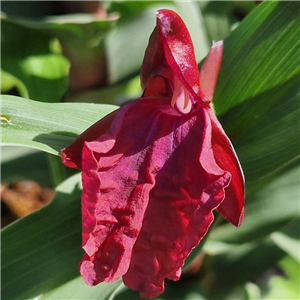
(42, 68)
(288, 239)
(252, 291)
(266, 211)
(41, 251)
(82, 37)
(23, 163)
(47, 126)
(7, 82)
(42, 72)
(272, 142)
(263, 50)
(257, 93)
(287, 286)
(77, 289)
(225, 272)
(57, 169)
(218, 18)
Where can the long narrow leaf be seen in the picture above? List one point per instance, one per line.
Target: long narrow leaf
(46, 126)
(258, 94)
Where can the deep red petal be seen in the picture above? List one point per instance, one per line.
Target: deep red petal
(115, 196)
(210, 69)
(172, 164)
(153, 58)
(170, 46)
(179, 50)
(180, 210)
(71, 156)
(232, 207)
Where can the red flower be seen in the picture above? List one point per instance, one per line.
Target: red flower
(154, 170)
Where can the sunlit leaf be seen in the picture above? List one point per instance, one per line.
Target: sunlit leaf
(287, 286)
(43, 70)
(46, 126)
(82, 37)
(252, 291)
(42, 73)
(7, 82)
(260, 54)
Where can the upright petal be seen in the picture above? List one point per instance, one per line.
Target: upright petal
(153, 60)
(210, 69)
(179, 50)
(232, 206)
(170, 46)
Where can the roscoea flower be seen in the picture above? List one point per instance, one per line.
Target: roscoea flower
(154, 170)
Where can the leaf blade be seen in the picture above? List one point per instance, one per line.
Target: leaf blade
(44, 126)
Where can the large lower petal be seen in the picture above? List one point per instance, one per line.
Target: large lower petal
(150, 184)
(179, 212)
